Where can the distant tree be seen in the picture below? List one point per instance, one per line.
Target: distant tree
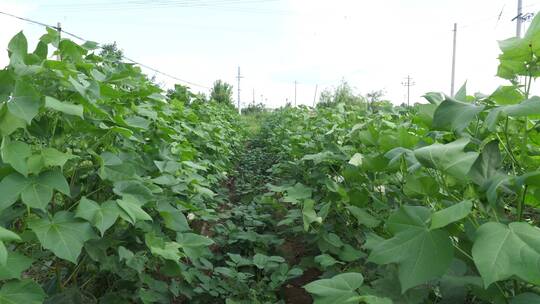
(374, 97)
(343, 93)
(111, 52)
(222, 92)
(254, 108)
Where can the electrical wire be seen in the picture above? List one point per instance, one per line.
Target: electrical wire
(222, 5)
(124, 57)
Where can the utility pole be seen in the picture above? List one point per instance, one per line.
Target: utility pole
(239, 77)
(253, 96)
(453, 62)
(408, 83)
(519, 18)
(295, 83)
(315, 96)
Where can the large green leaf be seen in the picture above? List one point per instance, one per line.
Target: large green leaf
(15, 265)
(487, 164)
(25, 102)
(64, 235)
(159, 247)
(501, 251)
(451, 214)
(11, 187)
(449, 158)
(421, 254)
(339, 289)
(19, 292)
(64, 107)
(132, 210)
(6, 236)
(505, 95)
(52, 157)
(101, 216)
(173, 218)
(9, 123)
(193, 245)
(16, 154)
(528, 107)
(408, 217)
(526, 298)
(39, 189)
(455, 115)
(363, 217)
(18, 46)
(297, 193)
(309, 215)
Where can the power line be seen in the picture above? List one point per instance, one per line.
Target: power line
(61, 30)
(220, 4)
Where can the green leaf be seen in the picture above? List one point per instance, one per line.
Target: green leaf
(53, 157)
(356, 159)
(451, 214)
(455, 115)
(15, 265)
(449, 158)
(63, 234)
(64, 107)
(528, 107)
(41, 50)
(338, 289)
(18, 46)
(166, 250)
(526, 298)
(434, 98)
(25, 102)
(363, 217)
(421, 254)
(461, 94)
(132, 208)
(39, 190)
(408, 217)
(24, 291)
(350, 254)
(7, 235)
(11, 187)
(16, 154)
(326, 260)
(193, 240)
(505, 95)
(173, 218)
(309, 215)
(420, 185)
(100, 216)
(9, 123)
(296, 193)
(134, 189)
(37, 195)
(501, 251)
(137, 122)
(260, 260)
(487, 164)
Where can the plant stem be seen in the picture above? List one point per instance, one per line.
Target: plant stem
(508, 144)
(58, 276)
(521, 203)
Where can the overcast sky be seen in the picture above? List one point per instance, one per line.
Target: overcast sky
(371, 44)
